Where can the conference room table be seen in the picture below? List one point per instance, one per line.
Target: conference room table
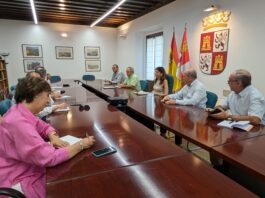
(145, 164)
(193, 124)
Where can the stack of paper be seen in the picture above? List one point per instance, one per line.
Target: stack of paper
(140, 93)
(244, 125)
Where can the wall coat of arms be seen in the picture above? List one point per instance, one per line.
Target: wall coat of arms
(213, 51)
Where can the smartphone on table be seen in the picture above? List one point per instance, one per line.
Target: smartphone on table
(104, 151)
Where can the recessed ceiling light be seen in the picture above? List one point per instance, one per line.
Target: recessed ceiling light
(62, 1)
(62, 8)
(64, 35)
(62, 5)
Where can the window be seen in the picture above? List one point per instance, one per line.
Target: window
(154, 54)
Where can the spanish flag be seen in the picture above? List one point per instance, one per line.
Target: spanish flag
(184, 60)
(173, 63)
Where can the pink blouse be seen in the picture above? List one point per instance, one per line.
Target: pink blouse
(23, 152)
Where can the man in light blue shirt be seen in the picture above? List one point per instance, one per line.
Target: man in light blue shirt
(245, 102)
(117, 77)
(193, 93)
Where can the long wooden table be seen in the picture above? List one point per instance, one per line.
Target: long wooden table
(145, 163)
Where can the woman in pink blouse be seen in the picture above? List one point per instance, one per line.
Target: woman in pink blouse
(24, 153)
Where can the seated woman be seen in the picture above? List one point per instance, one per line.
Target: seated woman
(160, 84)
(24, 153)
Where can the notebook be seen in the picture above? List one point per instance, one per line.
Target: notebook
(244, 125)
(63, 110)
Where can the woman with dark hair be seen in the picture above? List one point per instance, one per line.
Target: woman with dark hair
(160, 84)
(24, 153)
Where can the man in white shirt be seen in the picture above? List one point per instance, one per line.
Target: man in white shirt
(193, 93)
(245, 102)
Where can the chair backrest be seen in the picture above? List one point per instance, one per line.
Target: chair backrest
(4, 106)
(211, 99)
(170, 81)
(88, 77)
(144, 85)
(55, 79)
(10, 192)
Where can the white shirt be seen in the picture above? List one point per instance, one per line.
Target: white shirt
(195, 94)
(249, 102)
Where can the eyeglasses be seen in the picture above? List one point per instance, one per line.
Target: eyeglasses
(230, 81)
(82, 107)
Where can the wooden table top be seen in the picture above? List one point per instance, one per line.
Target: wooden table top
(135, 143)
(192, 123)
(247, 154)
(182, 176)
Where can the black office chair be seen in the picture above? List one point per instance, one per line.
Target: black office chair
(211, 99)
(10, 192)
(170, 81)
(144, 85)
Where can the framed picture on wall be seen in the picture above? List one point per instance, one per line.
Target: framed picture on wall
(32, 51)
(63, 52)
(93, 65)
(31, 64)
(92, 52)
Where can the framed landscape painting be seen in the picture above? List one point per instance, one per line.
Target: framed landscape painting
(32, 51)
(93, 65)
(64, 52)
(92, 52)
(31, 64)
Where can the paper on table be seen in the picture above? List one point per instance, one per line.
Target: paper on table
(109, 87)
(63, 110)
(63, 97)
(244, 125)
(141, 93)
(56, 87)
(70, 139)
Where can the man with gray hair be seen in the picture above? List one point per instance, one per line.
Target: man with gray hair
(245, 101)
(131, 81)
(117, 76)
(193, 93)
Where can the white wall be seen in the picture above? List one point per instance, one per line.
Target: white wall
(246, 42)
(14, 33)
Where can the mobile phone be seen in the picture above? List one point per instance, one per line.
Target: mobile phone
(215, 111)
(104, 151)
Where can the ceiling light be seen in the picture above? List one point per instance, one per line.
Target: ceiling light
(211, 8)
(62, 1)
(62, 8)
(62, 5)
(64, 35)
(34, 12)
(107, 13)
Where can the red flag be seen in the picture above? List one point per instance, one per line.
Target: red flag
(184, 61)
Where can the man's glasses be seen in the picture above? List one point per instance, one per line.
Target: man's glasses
(230, 81)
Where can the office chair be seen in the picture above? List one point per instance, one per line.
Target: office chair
(144, 85)
(211, 99)
(5, 106)
(170, 81)
(10, 192)
(55, 79)
(88, 77)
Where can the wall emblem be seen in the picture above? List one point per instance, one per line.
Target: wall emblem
(213, 51)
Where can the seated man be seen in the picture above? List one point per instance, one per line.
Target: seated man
(193, 93)
(131, 81)
(245, 101)
(117, 77)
